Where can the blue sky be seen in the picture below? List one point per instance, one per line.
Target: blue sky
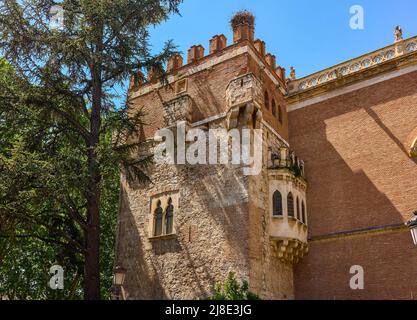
(310, 35)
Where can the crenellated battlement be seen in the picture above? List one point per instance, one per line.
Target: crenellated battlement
(174, 63)
(195, 53)
(218, 43)
(243, 35)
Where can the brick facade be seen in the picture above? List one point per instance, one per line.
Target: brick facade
(360, 176)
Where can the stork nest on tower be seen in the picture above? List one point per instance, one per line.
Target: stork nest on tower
(243, 17)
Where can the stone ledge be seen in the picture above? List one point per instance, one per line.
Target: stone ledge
(379, 230)
(294, 219)
(163, 237)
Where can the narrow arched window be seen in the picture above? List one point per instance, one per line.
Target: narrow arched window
(303, 212)
(169, 217)
(277, 204)
(266, 98)
(298, 210)
(280, 114)
(274, 108)
(290, 205)
(158, 219)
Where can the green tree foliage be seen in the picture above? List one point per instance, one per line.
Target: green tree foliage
(232, 290)
(35, 230)
(62, 135)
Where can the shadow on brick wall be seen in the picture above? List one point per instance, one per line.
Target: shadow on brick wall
(360, 175)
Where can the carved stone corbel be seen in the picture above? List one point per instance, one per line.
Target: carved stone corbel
(232, 118)
(248, 114)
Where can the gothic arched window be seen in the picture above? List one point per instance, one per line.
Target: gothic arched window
(158, 219)
(169, 217)
(280, 114)
(298, 210)
(266, 97)
(290, 205)
(277, 204)
(303, 212)
(274, 108)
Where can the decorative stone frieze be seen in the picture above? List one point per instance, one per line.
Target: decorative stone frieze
(291, 251)
(359, 64)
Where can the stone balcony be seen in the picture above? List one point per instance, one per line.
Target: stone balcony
(286, 159)
(288, 220)
(290, 237)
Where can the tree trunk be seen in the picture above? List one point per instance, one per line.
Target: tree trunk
(92, 255)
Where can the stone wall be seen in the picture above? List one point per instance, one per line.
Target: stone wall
(211, 233)
(221, 225)
(222, 218)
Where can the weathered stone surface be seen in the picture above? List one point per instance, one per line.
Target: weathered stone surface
(221, 217)
(243, 90)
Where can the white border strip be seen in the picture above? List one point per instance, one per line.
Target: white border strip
(354, 87)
